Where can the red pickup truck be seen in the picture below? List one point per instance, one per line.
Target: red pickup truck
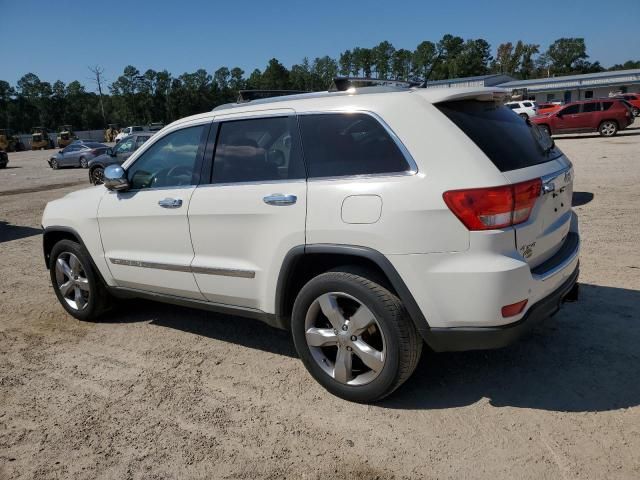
(606, 116)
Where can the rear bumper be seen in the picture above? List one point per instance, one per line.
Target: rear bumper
(484, 338)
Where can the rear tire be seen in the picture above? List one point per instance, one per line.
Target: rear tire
(524, 116)
(53, 164)
(84, 163)
(359, 357)
(77, 285)
(608, 128)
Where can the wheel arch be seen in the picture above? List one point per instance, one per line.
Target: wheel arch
(304, 262)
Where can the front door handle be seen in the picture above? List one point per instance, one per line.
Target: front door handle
(280, 199)
(170, 203)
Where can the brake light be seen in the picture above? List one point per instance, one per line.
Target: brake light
(494, 207)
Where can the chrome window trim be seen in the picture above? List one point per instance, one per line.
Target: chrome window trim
(226, 272)
(413, 166)
(256, 182)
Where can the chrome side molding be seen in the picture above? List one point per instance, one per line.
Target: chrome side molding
(226, 272)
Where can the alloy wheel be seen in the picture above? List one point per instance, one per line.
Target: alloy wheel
(345, 339)
(54, 164)
(97, 175)
(72, 282)
(84, 163)
(608, 129)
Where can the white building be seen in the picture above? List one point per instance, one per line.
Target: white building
(578, 87)
(568, 88)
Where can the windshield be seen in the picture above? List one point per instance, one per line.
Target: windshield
(509, 141)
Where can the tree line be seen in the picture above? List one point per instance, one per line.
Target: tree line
(158, 96)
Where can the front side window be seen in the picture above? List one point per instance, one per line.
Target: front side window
(169, 162)
(258, 150)
(570, 110)
(341, 144)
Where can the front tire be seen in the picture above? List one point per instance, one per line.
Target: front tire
(354, 335)
(635, 111)
(97, 175)
(546, 129)
(53, 164)
(77, 285)
(608, 128)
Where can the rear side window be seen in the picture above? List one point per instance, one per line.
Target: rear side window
(509, 141)
(590, 107)
(527, 104)
(606, 105)
(258, 150)
(340, 144)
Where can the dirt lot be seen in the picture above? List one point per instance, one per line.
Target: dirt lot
(167, 392)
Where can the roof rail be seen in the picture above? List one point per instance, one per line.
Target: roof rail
(342, 84)
(249, 95)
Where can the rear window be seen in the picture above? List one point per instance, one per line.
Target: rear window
(509, 141)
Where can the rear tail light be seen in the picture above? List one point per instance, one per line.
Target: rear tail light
(494, 207)
(514, 309)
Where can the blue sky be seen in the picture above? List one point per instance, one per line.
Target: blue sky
(185, 35)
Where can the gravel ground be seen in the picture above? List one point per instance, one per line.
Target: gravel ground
(156, 391)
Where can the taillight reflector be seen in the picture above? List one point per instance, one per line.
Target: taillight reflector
(514, 309)
(494, 207)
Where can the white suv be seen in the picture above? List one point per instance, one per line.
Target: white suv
(526, 109)
(366, 222)
(126, 131)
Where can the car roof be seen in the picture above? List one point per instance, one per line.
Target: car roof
(362, 99)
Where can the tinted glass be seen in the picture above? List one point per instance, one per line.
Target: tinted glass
(513, 106)
(125, 145)
(590, 107)
(508, 141)
(606, 105)
(138, 129)
(169, 162)
(348, 144)
(140, 140)
(570, 110)
(258, 150)
(527, 104)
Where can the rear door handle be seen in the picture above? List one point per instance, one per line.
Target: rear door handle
(280, 199)
(170, 203)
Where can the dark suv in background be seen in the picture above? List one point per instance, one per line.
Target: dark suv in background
(116, 155)
(606, 116)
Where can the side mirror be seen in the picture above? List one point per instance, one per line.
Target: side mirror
(115, 178)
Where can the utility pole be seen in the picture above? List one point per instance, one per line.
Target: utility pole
(97, 72)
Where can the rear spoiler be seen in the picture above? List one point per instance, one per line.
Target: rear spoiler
(483, 94)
